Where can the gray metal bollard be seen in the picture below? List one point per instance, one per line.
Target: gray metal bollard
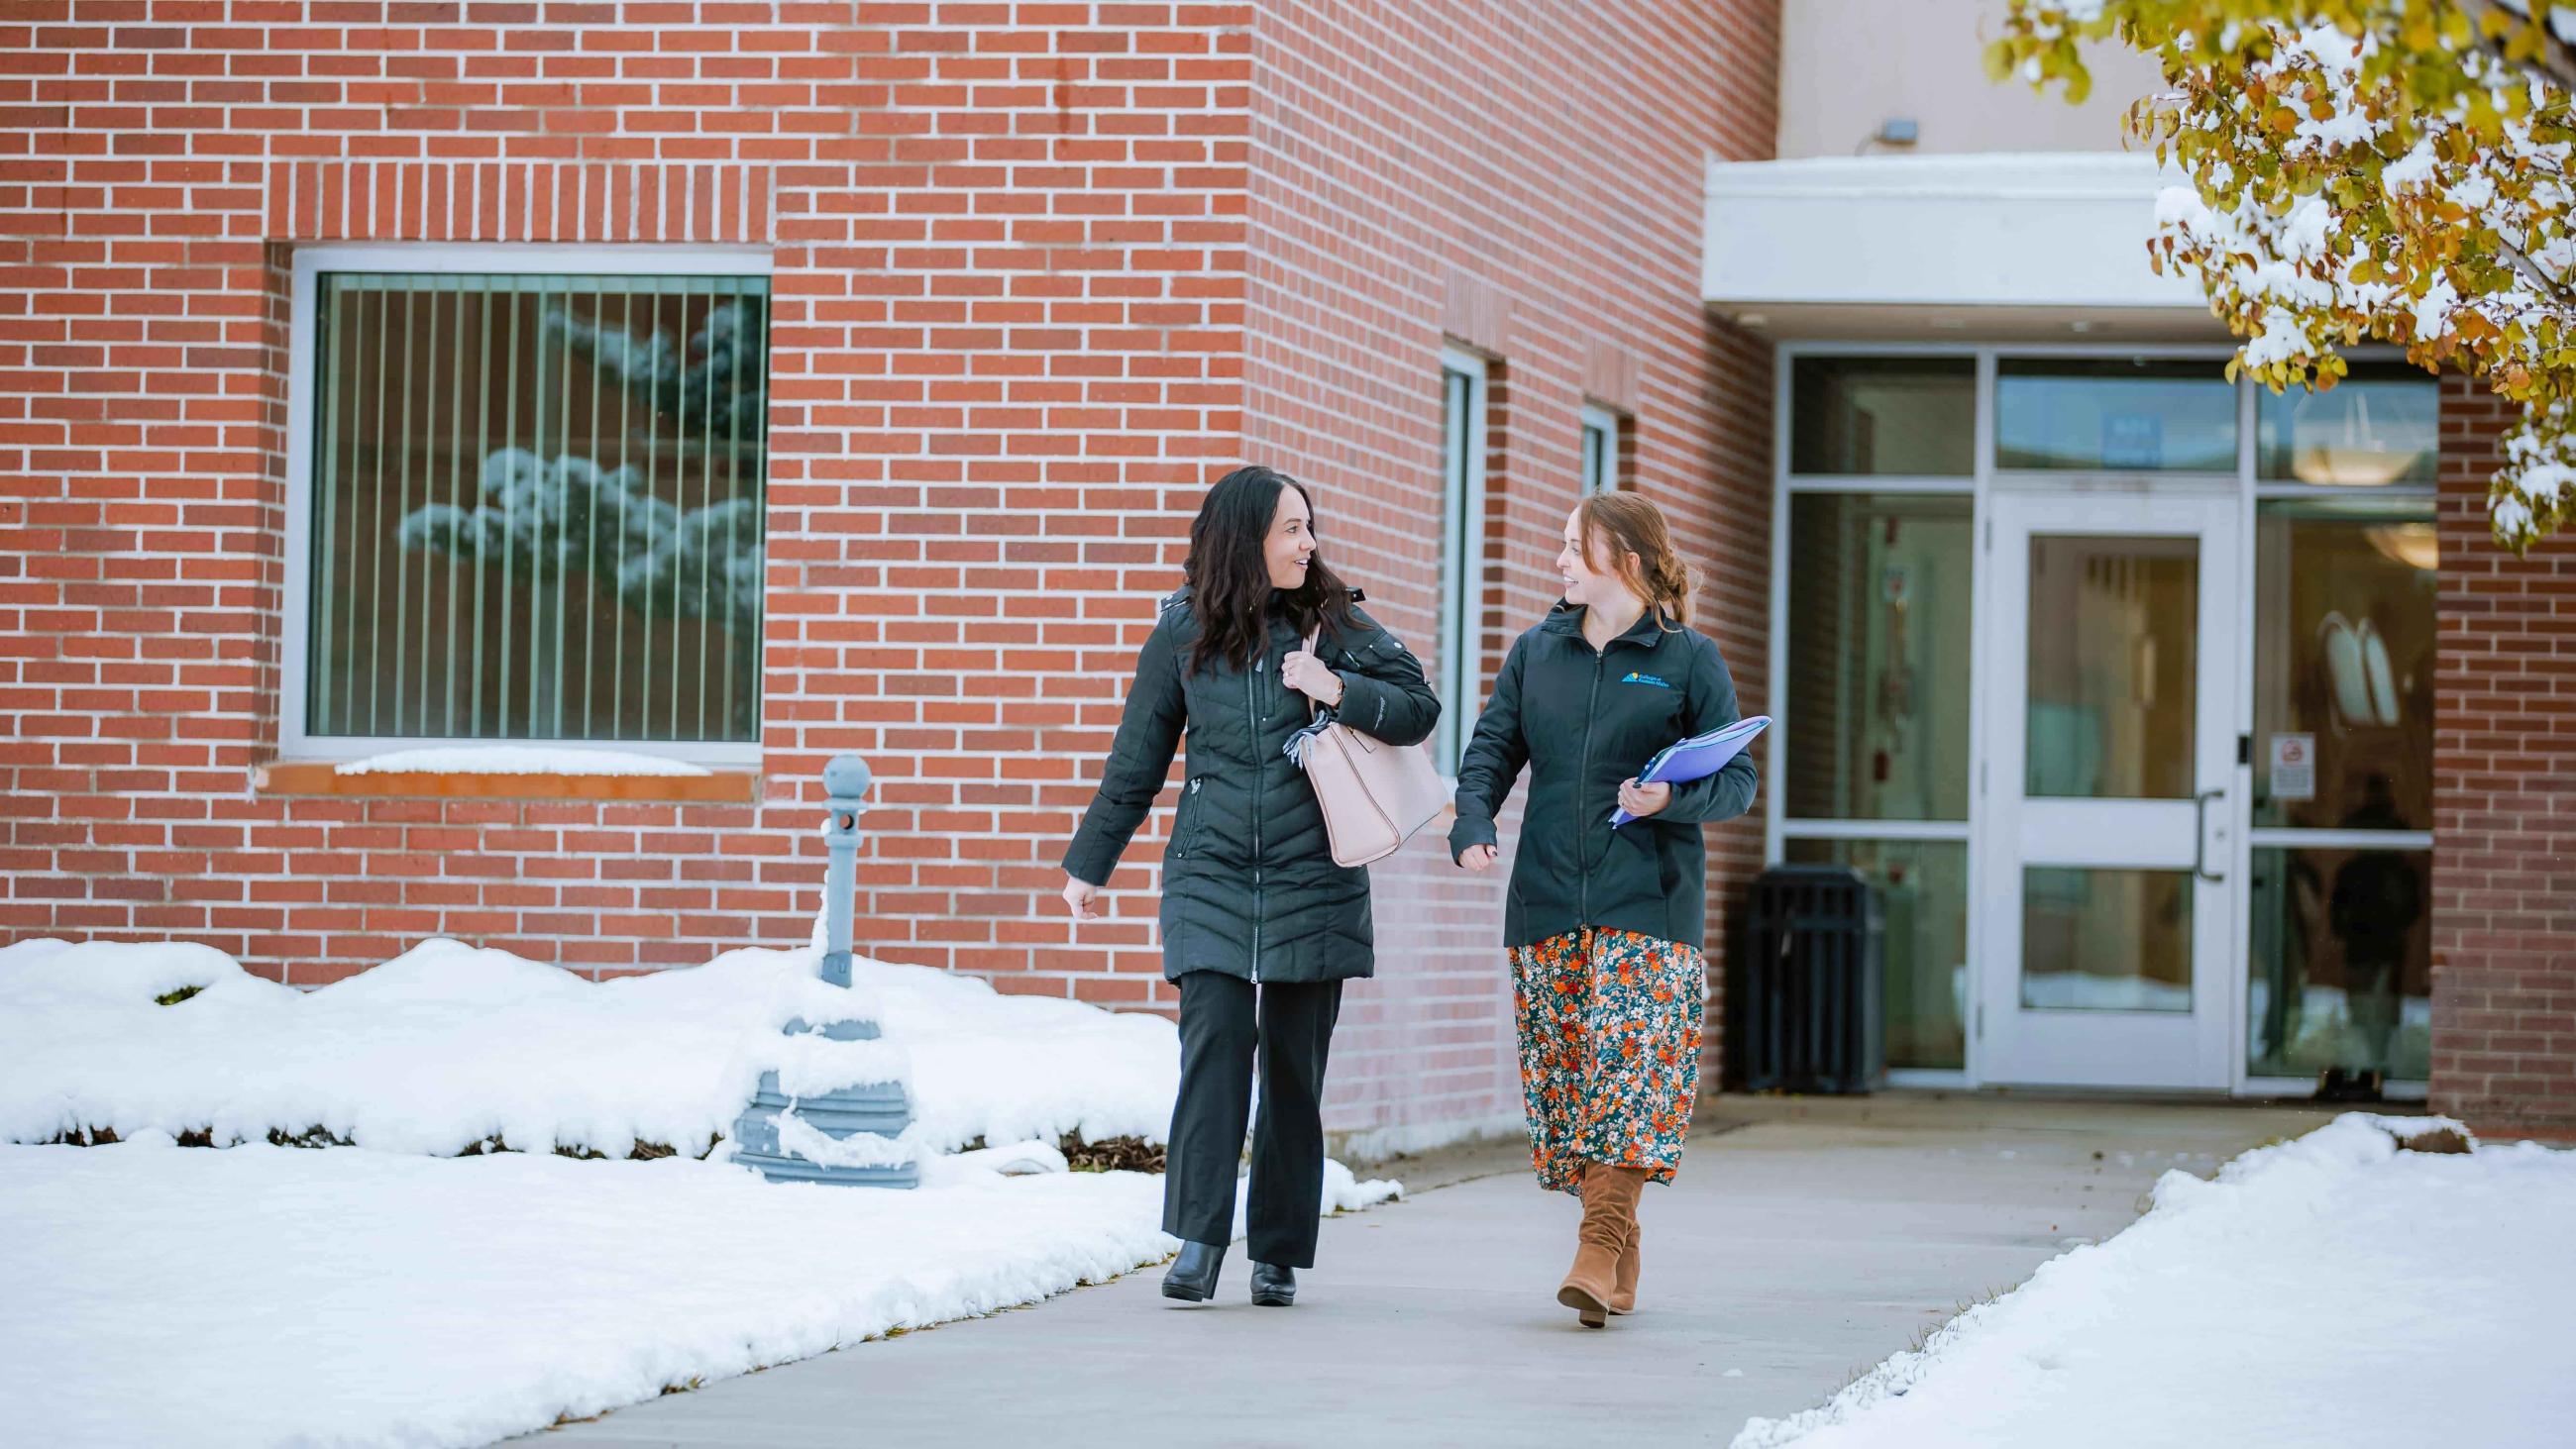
(845, 783)
(881, 1108)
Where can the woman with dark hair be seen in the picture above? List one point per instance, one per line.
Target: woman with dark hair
(1260, 928)
(1604, 924)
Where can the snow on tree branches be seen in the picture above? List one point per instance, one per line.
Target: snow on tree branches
(569, 516)
(2391, 169)
(718, 390)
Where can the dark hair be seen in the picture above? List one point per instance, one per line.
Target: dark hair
(1230, 588)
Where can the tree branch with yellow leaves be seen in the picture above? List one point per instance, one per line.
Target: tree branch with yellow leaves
(2395, 170)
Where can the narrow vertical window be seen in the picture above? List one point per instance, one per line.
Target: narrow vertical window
(1604, 432)
(1463, 433)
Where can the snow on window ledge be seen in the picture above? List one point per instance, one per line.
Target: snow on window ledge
(516, 760)
(513, 772)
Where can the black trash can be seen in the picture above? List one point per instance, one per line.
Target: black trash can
(1804, 998)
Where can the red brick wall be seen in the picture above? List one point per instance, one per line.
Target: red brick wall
(1525, 180)
(1041, 272)
(1006, 343)
(2504, 805)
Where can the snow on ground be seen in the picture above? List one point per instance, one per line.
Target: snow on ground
(448, 1046)
(1001, 1067)
(393, 1293)
(517, 760)
(2331, 1291)
(263, 1295)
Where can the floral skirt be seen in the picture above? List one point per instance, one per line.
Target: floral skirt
(1609, 1035)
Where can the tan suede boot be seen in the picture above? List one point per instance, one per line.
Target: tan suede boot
(1609, 1206)
(1623, 1287)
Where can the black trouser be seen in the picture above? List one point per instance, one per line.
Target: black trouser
(1221, 1042)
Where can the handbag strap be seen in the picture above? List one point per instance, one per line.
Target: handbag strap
(1313, 639)
(1316, 723)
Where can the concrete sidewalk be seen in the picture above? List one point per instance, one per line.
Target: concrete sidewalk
(1805, 1241)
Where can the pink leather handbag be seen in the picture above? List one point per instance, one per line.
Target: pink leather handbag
(1375, 795)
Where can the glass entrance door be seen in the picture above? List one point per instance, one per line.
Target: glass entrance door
(2110, 769)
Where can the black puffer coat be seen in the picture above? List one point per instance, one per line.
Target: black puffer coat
(1582, 721)
(1249, 884)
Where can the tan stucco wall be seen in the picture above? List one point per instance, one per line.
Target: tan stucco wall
(1847, 65)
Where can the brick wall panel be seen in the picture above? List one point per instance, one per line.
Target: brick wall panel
(2504, 857)
(1042, 270)
(1383, 225)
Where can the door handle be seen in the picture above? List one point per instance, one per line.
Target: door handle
(2200, 837)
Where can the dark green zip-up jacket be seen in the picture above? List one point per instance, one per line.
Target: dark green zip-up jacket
(1582, 722)
(1249, 884)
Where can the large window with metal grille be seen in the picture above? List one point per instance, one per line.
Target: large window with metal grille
(527, 499)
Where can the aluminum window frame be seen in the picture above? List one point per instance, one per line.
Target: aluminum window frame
(295, 740)
(1466, 435)
(1599, 461)
(1980, 484)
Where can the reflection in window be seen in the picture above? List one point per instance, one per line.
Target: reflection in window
(2379, 426)
(2105, 940)
(1879, 594)
(537, 507)
(2114, 415)
(1883, 415)
(1922, 889)
(2343, 666)
(2342, 963)
(2114, 667)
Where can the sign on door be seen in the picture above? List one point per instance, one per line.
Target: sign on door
(2294, 767)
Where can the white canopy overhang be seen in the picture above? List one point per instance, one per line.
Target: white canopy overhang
(2031, 246)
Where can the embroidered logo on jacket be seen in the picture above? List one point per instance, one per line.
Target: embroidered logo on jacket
(1633, 677)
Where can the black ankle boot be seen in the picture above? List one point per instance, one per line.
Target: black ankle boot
(1193, 1275)
(1274, 1286)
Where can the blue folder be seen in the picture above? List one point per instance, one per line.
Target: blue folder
(1693, 758)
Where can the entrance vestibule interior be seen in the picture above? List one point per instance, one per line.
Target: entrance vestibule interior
(2115, 677)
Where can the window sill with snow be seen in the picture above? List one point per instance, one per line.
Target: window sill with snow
(512, 772)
